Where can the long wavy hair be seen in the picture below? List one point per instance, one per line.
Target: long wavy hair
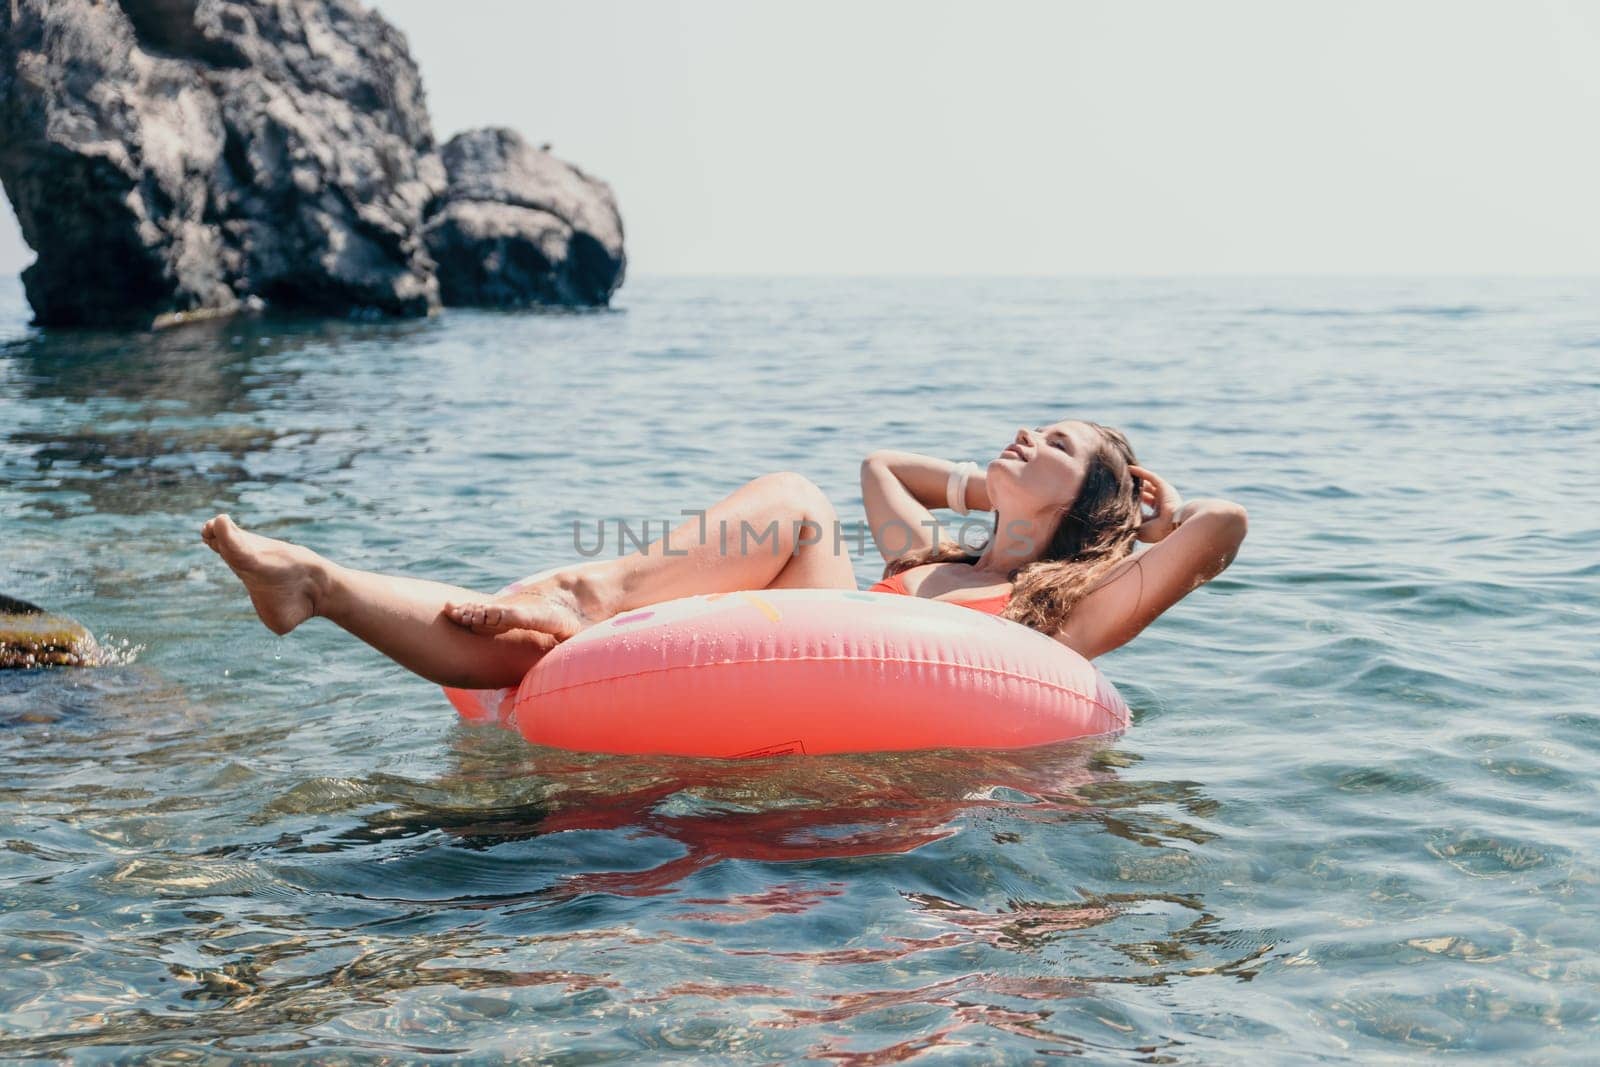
(1096, 531)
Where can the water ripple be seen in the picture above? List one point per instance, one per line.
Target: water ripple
(1354, 820)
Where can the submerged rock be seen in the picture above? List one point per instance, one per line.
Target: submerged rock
(517, 226)
(32, 637)
(171, 159)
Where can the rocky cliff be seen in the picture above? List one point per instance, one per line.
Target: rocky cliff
(172, 158)
(518, 226)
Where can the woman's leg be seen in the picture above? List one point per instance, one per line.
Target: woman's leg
(776, 531)
(400, 617)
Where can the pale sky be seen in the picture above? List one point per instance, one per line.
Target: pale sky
(1052, 137)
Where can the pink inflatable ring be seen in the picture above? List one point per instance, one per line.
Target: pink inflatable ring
(806, 671)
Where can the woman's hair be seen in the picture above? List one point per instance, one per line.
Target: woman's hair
(1095, 532)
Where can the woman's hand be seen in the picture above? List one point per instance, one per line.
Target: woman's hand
(560, 605)
(1164, 500)
(520, 611)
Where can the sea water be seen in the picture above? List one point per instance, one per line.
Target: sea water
(1354, 819)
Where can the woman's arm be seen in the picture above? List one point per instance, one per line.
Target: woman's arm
(1195, 543)
(900, 488)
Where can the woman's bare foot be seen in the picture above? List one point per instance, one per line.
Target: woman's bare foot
(553, 611)
(284, 580)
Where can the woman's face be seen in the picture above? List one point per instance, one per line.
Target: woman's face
(1043, 468)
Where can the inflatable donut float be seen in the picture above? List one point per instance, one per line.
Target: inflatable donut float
(801, 671)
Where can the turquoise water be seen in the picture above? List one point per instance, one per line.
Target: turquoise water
(1354, 819)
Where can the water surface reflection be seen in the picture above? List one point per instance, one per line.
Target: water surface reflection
(530, 880)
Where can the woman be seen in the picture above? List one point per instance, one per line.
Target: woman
(1067, 500)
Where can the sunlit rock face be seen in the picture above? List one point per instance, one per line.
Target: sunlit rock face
(177, 158)
(518, 226)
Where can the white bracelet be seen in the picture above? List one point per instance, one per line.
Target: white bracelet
(955, 490)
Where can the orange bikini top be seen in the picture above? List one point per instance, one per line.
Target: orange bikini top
(991, 605)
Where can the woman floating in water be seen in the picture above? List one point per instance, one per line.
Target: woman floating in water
(1068, 500)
